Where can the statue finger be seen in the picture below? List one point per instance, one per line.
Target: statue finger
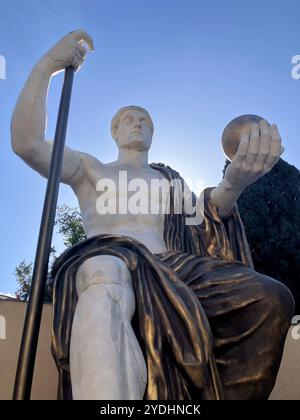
(243, 148)
(83, 51)
(265, 142)
(275, 146)
(76, 63)
(80, 57)
(82, 36)
(254, 142)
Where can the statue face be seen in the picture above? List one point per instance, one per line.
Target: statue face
(134, 131)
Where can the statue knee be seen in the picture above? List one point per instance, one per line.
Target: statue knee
(278, 298)
(109, 270)
(102, 270)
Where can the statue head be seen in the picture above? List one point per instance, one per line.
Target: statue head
(132, 128)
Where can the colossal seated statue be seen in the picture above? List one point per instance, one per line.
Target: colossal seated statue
(156, 303)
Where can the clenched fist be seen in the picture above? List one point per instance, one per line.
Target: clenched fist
(258, 151)
(68, 51)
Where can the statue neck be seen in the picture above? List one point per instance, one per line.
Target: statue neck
(133, 158)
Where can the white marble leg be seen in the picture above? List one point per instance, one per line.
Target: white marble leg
(106, 361)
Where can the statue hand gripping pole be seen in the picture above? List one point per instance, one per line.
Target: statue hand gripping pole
(25, 367)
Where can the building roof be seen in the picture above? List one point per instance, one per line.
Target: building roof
(5, 296)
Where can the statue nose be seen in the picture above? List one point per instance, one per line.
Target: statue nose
(137, 127)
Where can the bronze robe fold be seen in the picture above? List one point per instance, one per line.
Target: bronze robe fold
(205, 319)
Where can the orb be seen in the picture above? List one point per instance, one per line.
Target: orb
(232, 133)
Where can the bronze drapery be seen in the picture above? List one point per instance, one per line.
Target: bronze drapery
(201, 308)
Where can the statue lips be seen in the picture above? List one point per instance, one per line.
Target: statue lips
(136, 132)
(232, 133)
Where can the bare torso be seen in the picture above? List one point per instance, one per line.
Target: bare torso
(147, 228)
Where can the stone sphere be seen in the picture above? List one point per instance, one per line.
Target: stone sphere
(232, 133)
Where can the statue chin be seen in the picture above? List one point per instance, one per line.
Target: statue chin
(138, 144)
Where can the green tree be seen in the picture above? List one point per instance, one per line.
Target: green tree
(270, 210)
(69, 223)
(23, 273)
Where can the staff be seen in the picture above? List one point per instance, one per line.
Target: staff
(24, 373)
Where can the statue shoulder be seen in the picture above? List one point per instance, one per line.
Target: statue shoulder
(166, 169)
(90, 161)
(91, 169)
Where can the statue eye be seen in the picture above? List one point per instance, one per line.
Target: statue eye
(127, 119)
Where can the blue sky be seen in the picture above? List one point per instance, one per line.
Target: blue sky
(193, 64)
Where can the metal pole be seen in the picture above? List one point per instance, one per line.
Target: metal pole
(25, 368)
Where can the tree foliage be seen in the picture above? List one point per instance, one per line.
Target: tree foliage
(270, 210)
(69, 223)
(23, 273)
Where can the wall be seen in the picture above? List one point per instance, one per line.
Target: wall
(45, 375)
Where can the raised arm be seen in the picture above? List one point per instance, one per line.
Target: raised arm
(258, 152)
(28, 123)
